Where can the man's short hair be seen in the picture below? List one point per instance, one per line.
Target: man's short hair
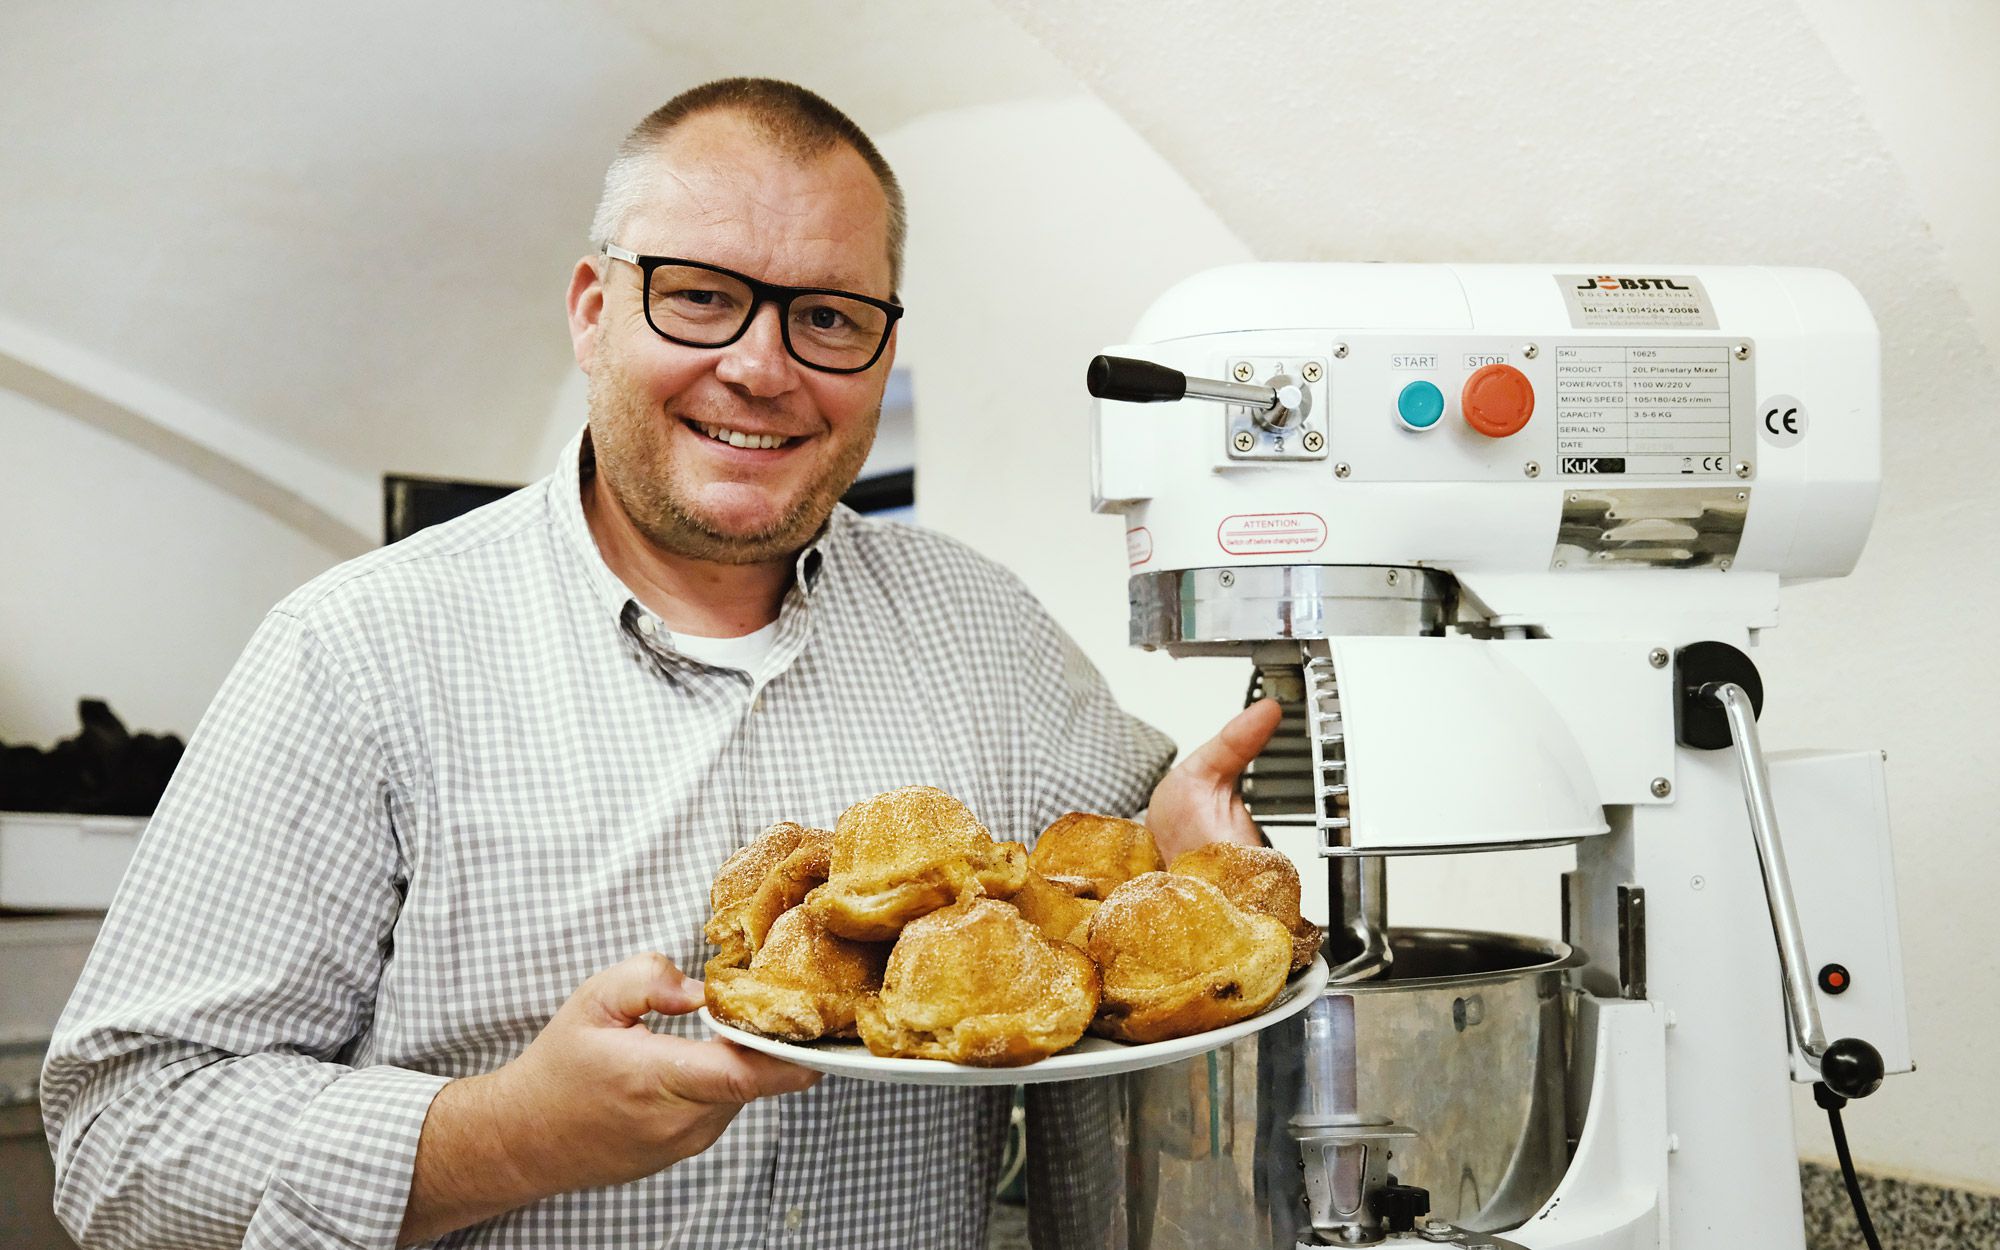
(801, 124)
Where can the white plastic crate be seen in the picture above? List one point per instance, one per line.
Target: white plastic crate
(59, 861)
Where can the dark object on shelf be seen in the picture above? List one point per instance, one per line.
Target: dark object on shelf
(105, 770)
(413, 503)
(883, 491)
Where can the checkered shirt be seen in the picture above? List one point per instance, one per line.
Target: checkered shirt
(452, 779)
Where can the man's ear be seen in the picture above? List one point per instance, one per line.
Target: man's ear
(586, 310)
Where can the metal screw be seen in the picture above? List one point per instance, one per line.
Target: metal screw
(1657, 657)
(1226, 578)
(1244, 440)
(1392, 577)
(1742, 468)
(1576, 498)
(1244, 372)
(1561, 565)
(1662, 787)
(1342, 469)
(1340, 351)
(1310, 371)
(1723, 564)
(1314, 440)
(1742, 496)
(1742, 351)
(1532, 469)
(1530, 351)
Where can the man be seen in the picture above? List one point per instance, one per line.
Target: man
(401, 951)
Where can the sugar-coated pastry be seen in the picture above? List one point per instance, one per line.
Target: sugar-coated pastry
(1099, 853)
(905, 854)
(1177, 957)
(803, 983)
(1055, 911)
(758, 884)
(1259, 879)
(976, 983)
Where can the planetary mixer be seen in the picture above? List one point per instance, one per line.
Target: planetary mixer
(1500, 540)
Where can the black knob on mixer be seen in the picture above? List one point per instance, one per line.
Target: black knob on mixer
(1134, 381)
(1399, 1207)
(1851, 1068)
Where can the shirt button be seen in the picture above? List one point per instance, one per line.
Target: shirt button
(795, 1219)
(646, 626)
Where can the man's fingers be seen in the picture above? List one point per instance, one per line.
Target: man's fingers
(723, 1072)
(622, 993)
(1224, 757)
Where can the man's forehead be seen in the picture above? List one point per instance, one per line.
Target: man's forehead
(719, 182)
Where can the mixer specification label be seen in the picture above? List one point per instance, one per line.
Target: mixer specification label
(1651, 410)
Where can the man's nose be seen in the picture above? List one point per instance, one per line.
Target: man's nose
(757, 363)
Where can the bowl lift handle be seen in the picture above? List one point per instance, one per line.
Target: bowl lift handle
(1714, 676)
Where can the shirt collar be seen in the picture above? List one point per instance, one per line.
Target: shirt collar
(566, 507)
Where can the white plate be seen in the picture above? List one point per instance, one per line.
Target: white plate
(1093, 1056)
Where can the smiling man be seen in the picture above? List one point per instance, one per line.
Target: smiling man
(400, 955)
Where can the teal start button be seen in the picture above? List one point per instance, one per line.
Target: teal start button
(1420, 405)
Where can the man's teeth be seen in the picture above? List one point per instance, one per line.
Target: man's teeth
(737, 438)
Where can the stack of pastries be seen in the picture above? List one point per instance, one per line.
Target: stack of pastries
(910, 926)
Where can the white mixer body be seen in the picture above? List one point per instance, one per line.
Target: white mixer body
(1486, 512)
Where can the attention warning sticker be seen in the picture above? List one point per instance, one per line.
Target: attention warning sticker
(1612, 301)
(1271, 533)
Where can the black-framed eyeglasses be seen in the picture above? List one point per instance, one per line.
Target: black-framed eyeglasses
(702, 305)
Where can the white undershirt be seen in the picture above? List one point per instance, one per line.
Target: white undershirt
(746, 653)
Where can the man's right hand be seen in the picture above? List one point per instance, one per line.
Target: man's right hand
(596, 1099)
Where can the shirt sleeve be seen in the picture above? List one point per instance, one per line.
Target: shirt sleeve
(1090, 754)
(203, 1086)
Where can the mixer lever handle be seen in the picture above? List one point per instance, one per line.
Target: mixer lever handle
(1143, 382)
(1850, 1066)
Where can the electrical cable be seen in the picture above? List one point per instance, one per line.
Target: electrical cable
(1833, 1103)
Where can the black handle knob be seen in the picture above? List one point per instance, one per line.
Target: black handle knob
(1399, 1207)
(1851, 1068)
(1134, 381)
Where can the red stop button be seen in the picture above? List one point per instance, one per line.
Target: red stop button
(1497, 400)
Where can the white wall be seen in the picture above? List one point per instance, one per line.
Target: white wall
(1039, 232)
(124, 578)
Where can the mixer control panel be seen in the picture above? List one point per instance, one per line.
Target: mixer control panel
(1654, 410)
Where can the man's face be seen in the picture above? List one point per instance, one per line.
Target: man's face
(722, 194)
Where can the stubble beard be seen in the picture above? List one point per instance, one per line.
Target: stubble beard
(631, 441)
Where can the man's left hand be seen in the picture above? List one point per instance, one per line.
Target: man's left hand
(1197, 802)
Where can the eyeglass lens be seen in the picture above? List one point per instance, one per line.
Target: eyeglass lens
(706, 309)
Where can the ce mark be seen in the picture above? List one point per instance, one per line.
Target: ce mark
(1781, 421)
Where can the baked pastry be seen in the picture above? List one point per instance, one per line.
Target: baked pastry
(1177, 957)
(1093, 855)
(905, 854)
(975, 983)
(803, 983)
(1259, 879)
(1057, 912)
(758, 884)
